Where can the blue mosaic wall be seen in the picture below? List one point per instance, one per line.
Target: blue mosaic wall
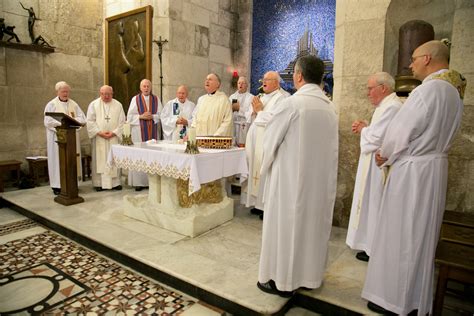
(277, 27)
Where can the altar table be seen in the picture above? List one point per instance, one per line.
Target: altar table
(165, 163)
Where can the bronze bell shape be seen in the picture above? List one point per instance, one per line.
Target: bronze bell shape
(411, 35)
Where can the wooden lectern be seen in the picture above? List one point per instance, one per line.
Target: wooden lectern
(66, 134)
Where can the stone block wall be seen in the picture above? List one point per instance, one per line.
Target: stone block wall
(202, 38)
(27, 78)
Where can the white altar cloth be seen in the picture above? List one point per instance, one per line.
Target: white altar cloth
(169, 160)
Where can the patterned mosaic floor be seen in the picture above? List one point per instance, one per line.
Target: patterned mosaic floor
(48, 274)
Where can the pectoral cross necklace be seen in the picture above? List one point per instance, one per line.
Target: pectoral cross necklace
(107, 116)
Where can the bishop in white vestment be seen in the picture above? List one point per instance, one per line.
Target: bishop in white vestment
(262, 108)
(369, 180)
(177, 115)
(105, 119)
(241, 102)
(415, 149)
(62, 103)
(300, 154)
(213, 114)
(144, 118)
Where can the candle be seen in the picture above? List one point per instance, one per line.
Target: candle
(192, 134)
(126, 129)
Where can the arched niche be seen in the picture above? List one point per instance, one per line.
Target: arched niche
(439, 13)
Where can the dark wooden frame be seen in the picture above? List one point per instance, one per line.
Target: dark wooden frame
(128, 41)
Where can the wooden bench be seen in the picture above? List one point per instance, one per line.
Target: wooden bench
(454, 254)
(38, 168)
(9, 166)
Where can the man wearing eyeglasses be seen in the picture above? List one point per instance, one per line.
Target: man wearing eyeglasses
(415, 147)
(369, 180)
(258, 116)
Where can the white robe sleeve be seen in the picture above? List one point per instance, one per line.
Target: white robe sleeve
(119, 130)
(408, 124)
(92, 127)
(133, 117)
(168, 120)
(371, 137)
(49, 122)
(80, 116)
(227, 122)
(275, 132)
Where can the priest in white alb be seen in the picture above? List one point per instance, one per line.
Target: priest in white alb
(300, 154)
(144, 118)
(105, 119)
(241, 102)
(177, 115)
(369, 180)
(64, 104)
(260, 112)
(213, 114)
(415, 152)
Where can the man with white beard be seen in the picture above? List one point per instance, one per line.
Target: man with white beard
(369, 180)
(62, 103)
(105, 119)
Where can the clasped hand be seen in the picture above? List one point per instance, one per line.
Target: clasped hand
(257, 104)
(146, 116)
(357, 126)
(106, 134)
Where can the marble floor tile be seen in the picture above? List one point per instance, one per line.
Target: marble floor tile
(48, 274)
(9, 216)
(223, 261)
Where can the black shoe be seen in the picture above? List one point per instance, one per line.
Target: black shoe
(98, 189)
(117, 188)
(256, 211)
(378, 309)
(261, 217)
(270, 287)
(56, 191)
(138, 189)
(362, 256)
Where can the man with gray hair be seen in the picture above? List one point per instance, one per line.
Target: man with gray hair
(258, 115)
(105, 119)
(213, 113)
(63, 104)
(369, 180)
(415, 147)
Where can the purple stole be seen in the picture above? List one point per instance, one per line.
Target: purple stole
(147, 127)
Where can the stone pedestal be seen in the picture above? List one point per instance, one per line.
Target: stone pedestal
(160, 207)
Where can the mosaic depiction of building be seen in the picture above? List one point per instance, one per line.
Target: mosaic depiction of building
(284, 30)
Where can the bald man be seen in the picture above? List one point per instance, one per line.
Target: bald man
(144, 118)
(213, 116)
(105, 118)
(259, 114)
(401, 267)
(241, 103)
(177, 115)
